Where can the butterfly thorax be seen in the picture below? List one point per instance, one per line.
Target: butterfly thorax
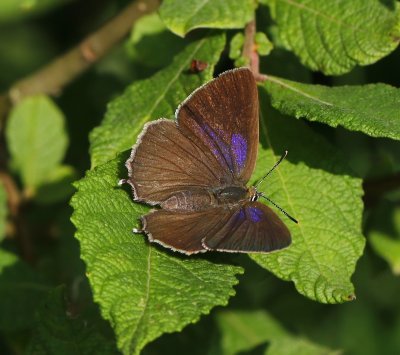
(232, 195)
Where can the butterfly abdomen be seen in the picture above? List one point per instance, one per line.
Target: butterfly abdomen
(189, 201)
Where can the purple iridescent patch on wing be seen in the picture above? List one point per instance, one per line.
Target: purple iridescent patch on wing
(219, 147)
(240, 217)
(239, 149)
(255, 214)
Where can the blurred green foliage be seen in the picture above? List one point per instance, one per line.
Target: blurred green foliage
(46, 300)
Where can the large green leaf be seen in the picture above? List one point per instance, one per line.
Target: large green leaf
(59, 332)
(152, 98)
(244, 330)
(372, 109)
(36, 138)
(315, 186)
(21, 290)
(3, 211)
(182, 16)
(142, 289)
(335, 35)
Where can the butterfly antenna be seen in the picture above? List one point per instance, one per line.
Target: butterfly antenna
(272, 169)
(260, 194)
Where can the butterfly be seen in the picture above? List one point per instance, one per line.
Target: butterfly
(196, 169)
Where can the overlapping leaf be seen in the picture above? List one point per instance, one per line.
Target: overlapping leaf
(149, 38)
(315, 186)
(372, 109)
(182, 16)
(244, 330)
(152, 98)
(335, 35)
(36, 139)
(143, 290)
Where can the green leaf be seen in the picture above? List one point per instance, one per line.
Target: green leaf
(59, 332)
(182, 16)
(36, 139)
(372, 109)
(316, 187)
(243, 330)
(334, 36)
(236, 45)
(264, 45)
(149, 38)
(58, 186)
(143, 290)
(21, 290)
(152, 98)
(3, 211)
(384, 235)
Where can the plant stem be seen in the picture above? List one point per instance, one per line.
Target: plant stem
(250, 51)
(16, 222)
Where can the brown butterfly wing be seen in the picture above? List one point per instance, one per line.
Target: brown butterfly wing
(223, 116)
(183, 231)
(164, 162)
(213, 144)
(252, 227)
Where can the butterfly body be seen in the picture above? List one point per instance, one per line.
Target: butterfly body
(197, 168)
(197, 200)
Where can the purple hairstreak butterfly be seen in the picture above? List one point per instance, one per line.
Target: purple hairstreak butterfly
(195, 169)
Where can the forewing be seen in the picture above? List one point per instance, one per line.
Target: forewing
(253, 228)
(164, 162)
(222, 116)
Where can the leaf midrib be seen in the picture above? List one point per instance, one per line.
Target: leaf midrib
(146, 301)
(320, 14)
(195, 12)
(362, 126)
(294, 89)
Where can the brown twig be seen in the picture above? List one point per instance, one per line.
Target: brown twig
(5, 106)
(250, 51)
(17, 226)
(51, 79)
(13, 194)
(56, 75)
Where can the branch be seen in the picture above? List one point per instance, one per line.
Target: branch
(53, 77)
(250, 51)
(13, 194)
(16, 222)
